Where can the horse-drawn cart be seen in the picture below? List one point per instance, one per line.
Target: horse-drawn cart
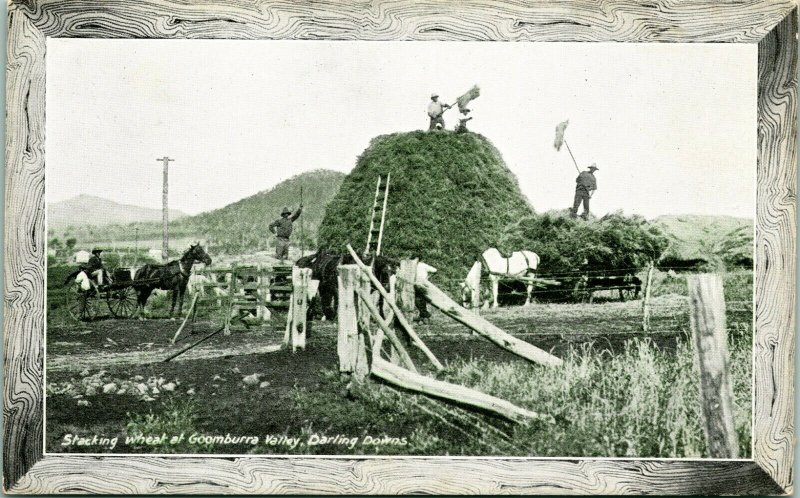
(119, 295)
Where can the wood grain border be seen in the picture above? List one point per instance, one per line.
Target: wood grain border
(770, 24)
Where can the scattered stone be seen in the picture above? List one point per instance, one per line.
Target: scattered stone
(190, 392)
(264, 384)
(169, 387)
(85, 372)
(142, 388)
(83, 402)
(91, 391)
(110, 388)
(236, 370)
(251, 380)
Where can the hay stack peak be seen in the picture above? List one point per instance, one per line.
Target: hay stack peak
(450, 197)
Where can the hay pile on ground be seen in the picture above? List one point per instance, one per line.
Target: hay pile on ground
(450, 197)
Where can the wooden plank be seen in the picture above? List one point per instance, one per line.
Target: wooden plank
(362, 366)
(367, 303)
(398, 315)
(711, 350)
(405, 293)
(186, 318)
(346, 345)
(300, 278)
(482, 326)
(415, 382)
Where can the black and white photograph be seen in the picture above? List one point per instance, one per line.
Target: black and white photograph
(309, 257)
(398, 248)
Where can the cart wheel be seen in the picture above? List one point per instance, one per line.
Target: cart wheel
(81, 306)
(122, 302)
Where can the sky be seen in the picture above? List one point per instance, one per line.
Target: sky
(672, 127)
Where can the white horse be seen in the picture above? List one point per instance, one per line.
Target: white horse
(520, 265)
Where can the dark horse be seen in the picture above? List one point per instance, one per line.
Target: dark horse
(173, 276)
(324, 267)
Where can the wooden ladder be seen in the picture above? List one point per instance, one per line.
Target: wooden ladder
(375, 236)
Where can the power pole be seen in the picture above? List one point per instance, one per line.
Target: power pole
(136, 247)
(165, 214)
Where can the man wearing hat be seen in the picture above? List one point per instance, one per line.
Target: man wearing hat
(282, 228)
(586, 183)
(435, 111)
(95, 269)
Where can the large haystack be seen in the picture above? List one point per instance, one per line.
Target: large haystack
(451, 195)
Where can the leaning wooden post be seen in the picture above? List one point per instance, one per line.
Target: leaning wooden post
(190, 313)
(300, 278)
(398, 315)
(648, 285)
(711, 348)
(346, 343)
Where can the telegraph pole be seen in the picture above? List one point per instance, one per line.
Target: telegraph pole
(165, 214)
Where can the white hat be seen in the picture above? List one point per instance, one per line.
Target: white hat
(434, 95)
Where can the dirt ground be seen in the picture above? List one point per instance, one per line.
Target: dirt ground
(104, 374)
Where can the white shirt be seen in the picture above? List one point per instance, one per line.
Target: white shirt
(435, 109)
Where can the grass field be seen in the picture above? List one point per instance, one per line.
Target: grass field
(619, 393)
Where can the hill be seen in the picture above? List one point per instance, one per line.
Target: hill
(88, 210)
(450, 197)
(243, 224)
(716, 239)
(237, 227)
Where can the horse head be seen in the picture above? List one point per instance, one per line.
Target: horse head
(196, 254)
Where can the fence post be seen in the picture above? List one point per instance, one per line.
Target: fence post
(405, 295)
(347, 344)
(364, 317)
(475, 286)
(300, 278)
(711, 347)
(646, 299)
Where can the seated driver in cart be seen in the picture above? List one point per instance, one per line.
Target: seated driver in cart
(95, 269)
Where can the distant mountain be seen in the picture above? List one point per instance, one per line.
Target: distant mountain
(243, 224)
(88, 210)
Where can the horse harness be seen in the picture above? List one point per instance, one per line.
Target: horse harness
(508, 264)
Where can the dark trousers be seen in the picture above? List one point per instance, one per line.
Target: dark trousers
(581, 196)
(434, 121)
(281, 248)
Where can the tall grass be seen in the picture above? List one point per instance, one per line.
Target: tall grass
(642, 402)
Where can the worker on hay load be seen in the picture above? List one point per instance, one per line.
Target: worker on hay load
(282, 228)
(586, 183)
(435, 111)
(462, 123)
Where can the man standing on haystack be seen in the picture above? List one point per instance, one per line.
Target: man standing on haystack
(586, 183)
(282, 228)
(435, 111)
